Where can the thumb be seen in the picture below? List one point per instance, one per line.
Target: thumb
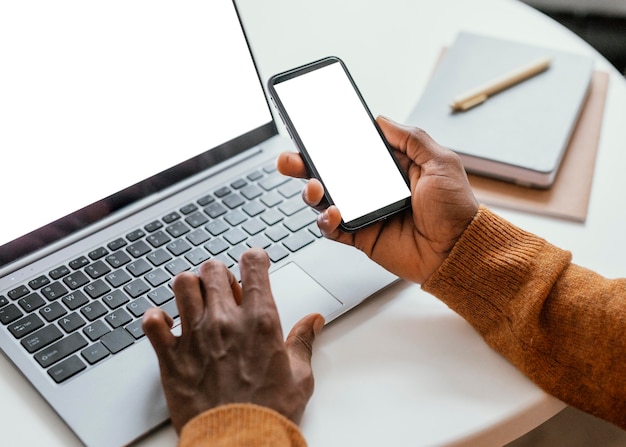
(299, 342)
(411, 141)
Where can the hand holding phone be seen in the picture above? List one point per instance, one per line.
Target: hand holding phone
(340, 142)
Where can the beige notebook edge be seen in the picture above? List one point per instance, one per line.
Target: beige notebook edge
(568, 198)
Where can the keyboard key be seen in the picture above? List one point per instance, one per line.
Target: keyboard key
(299, 240)
(178, 247)
(61, 349)
(157, 239)
(76, 280)
(58, 272)
(238, 184)
(204, 201)
(71, 322)
(198, 236)
(291, 188)
(272, 199)
(157, 277)
(277, 253)
(139, 267)
(66, 369)
(97, 269)
(118, 278)
(117, 340)
(254, 226)
(272, 217)
(3, 301)
(116, 244)
(235, 236)
(97, 288)
(236, 217)
(177, 229)
(9, 314)
(153, 226)
(160, 295)
(272, 181)
(18, 292)
(136, 288)
(95, 353)
(236, 252)
(158, 257)
(260, 240)
(31, 302)
(52, 311)
(38, 282)
(135, 235)
(96, 330)
(233, 201)
(93, 311)
(300, 220)
(216, 246)
(41, 338)
(118, 259)
(177, 266)
(196, 219)
(188, 209)
(115, 299)
(197, 256)
(97, 253)
(74, 300)
(253, 208)
(79, 263)
(135, 329)
(54, 291)
(217, 227)
(292, 206)
(25, 326)
(215, 210)
(222, 192)
(277, 233)
(254, 176)
(138, 307)
(118, 318)
(138, 249)
(251, 192)
(171, 217)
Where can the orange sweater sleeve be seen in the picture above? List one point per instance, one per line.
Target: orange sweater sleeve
(239, 425)
(562, 325)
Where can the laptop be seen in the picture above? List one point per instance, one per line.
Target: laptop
(138, 142)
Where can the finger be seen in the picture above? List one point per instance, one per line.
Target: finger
(313, 194)
(255, 281)
(218, 284)
(413, 142)
(157, 326)
(188, 291)
(291, 164)
(299, 342)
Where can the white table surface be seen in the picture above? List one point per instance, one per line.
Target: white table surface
(402, 369)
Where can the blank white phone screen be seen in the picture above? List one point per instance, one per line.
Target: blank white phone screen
(343, 144)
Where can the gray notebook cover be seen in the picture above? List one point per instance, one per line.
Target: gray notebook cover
(518, 135)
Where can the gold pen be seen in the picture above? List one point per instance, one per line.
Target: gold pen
(480, 94)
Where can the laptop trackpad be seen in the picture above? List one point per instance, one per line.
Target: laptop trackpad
(297, 295)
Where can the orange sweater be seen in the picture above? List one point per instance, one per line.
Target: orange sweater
(560, 324)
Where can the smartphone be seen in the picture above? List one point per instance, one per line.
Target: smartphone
(340, 142)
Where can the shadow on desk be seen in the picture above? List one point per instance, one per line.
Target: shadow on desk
(573, 428)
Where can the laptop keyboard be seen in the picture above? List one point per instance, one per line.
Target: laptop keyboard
(90, 308)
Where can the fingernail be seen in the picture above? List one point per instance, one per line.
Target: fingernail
(323, 217)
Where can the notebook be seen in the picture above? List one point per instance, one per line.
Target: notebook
(519, 135)
(138, 142)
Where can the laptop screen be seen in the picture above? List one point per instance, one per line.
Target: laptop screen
(103, 103)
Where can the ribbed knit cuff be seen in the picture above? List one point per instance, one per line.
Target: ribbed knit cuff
(241, 425)
(486, 269)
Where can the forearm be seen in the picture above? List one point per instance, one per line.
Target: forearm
(561, 325)
(241, 425)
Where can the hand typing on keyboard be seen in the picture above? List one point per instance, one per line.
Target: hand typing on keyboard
(231, 348)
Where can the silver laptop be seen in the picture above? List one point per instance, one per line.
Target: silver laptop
(137, 142)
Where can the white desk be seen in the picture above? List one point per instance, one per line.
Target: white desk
(403, 369)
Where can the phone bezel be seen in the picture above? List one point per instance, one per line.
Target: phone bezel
(373, 216)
